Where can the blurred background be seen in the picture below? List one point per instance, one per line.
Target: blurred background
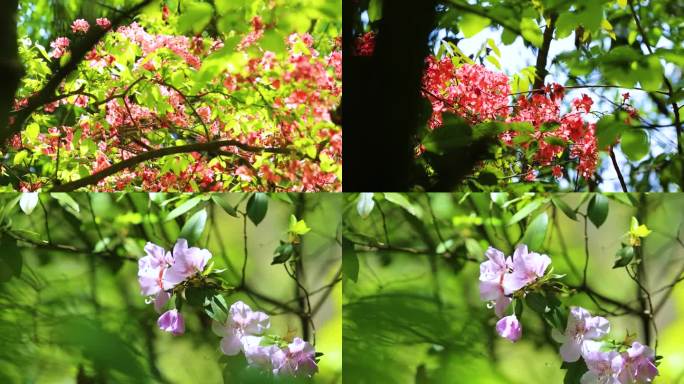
(412, 312)
(70, 303)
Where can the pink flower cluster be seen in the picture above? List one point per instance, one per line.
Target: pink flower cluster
(80, 26)
(59, 47)
(254, 35)
(501, 277)
(634, 364)
(478, 95)
(242, 333)
(160, 271)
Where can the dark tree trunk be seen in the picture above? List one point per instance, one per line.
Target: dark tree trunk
(10, 64)
(381, 99)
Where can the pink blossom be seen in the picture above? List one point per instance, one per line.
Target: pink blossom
(152, 270)
(241, 322)
(204, 113)
(604, 366)
(81, 101)
(104, 22)
(509, 327)
(80, 25)
(492, 273)
(581, 327)
(257, 355)
(186, 262)
(172, 321)
(297, 359)
(59, 47)
(639, 365)
(527, 267)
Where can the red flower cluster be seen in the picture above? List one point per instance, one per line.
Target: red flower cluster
(365, 44)
(478, 95)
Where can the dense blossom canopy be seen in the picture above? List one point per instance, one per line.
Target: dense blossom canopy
(480, 95)
(145, 87)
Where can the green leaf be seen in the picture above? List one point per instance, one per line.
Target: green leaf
(283, 253)
(225, 6)
(10, 259)
(67, 202)
(554, 140)
(195, 17)
(217, 309)
(598, 209)
(526, 210)
(563, 206)
(402, 201)
(536, 232)
(624, 256)
(183, 208)
(536, 301)
(224, 204)
(257, 205)
(575, 371)
(473, 247)
(637, 230)
(471, 24)
(350, 261)
(454, 134)
(298, 227)
(635, 144)
(193, 228)
(32, 131)
(374, 10)
(518, 308)
(608, 130)
(531, 32)
(196, 296)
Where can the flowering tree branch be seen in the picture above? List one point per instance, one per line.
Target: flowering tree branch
(161, 152)
(78, 53)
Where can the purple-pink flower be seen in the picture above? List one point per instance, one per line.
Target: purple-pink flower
(297, 359)
(152, 270)
(604, 366)
(160, 271)
(492, 272)
(257, 355)
(527, 267)
(241, 322)
(638, 364)
(501, 276)
(582, 326)
(509, 327)
(80, 25)
(186, 261)
(172, 321)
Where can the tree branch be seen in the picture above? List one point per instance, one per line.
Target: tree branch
(157, 153)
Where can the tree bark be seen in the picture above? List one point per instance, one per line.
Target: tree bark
(10, 64)
(381, 100)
